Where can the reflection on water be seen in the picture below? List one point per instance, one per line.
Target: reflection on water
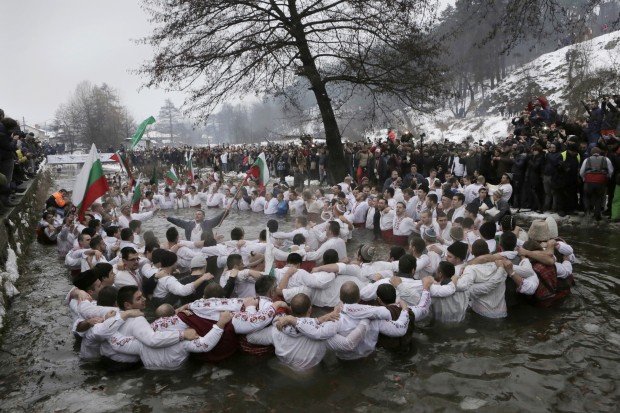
(566, 359)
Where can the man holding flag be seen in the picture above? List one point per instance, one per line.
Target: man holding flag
(90, 183)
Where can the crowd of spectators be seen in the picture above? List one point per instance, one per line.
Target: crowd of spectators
(20, 154)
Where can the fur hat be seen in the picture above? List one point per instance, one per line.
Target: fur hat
(456, 233)
(458, 249)
(430, 234)
(553, 227)
(539, 231)
(198, 261)
(367, 252)
(255, 259)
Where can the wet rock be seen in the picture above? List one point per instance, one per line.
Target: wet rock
(471, 331)
(480, 366)
(591, 328)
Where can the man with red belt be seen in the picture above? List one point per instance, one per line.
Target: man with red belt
(595, 172)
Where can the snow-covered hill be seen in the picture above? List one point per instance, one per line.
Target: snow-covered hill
(546, 76)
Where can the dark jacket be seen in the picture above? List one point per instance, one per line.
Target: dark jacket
(188, 226)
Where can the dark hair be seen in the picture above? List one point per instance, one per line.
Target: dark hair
(111, 230)
(300, 304)
(94, 241)
(107, 296)
(232, 260)
(126, 234)
(262, 236)
(334, 228)
(236, 234)
(397, 252)
(467, 222)
(272, 225)
(294, 258)
(487, 230)
(93, 223)
(390, 190)
(349, 293)
(172, 234)
(417, 243)
(299, 239)
(508, 241)
(330, 256)
(103, 269)
(213, 290)
(125, 295)
(150, 246)
(126, 251)
(432, 197)
(135, 224)
(88, 231)
(460, 197)
(387, 293)
(447, 270)
(407, 264)
(479, 247)
(265, 284)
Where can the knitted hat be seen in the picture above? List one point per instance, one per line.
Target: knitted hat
(198, 261)
(430, 234)
(255, 259)
(367, 252)
(458, 249)
(456, 233)
(539, 231)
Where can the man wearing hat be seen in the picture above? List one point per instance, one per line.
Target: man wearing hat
(169, 289)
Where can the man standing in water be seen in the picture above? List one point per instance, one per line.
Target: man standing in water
(194, 229)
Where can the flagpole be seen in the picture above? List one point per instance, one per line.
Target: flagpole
(229, 207)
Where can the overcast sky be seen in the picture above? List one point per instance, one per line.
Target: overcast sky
(52, 45)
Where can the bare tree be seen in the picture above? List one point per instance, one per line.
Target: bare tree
(219, 49)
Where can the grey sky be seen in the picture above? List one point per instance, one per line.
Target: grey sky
(52, 45)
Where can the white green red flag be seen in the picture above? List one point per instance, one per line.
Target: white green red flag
(171, 176)
(191, 173)
(259, 170)
(137, 195)
(124, 163)
(90, 183)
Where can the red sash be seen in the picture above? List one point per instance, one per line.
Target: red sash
(390, 238)
(227, 345)
(359, 224)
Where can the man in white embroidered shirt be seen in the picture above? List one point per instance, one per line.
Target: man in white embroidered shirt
(294, 347)
(131, 274)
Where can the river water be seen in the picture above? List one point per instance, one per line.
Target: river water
(561, 360)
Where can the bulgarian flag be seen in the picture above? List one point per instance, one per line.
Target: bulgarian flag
(190, 165)
(122, 160)
(259, 170)
(171, 176)
(137, 194)
(90, 183)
